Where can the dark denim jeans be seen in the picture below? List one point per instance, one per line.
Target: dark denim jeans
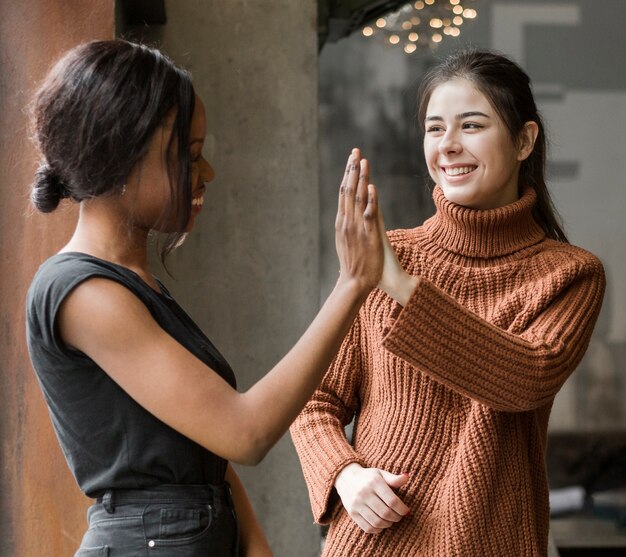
(163, 521)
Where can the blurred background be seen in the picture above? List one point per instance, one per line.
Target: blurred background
(290, 87)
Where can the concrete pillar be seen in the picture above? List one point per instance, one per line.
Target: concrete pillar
(249, 271)
(42, 511)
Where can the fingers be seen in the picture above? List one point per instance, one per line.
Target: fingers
(351, 183)
(365, 525)
(344, 181)
(388, 496)
(361, 197)
(383, 507)
(374, 514)
(394, 480)
(353, 192)
(371, 215)
(369, 499)
(373, 521)
(371, 517)
(357, 240)
(381, 222)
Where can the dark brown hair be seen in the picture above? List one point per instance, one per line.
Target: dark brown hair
(507, 87)
(94, 116)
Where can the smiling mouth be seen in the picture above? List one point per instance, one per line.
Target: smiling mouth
(197, 202)
(458, 170)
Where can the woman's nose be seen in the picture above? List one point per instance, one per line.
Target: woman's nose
(207, 173)
(449, 143)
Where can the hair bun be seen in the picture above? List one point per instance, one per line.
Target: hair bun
(48, 189)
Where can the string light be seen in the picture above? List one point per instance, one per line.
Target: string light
(422, 24)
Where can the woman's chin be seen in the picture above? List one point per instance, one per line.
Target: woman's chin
(460, 194)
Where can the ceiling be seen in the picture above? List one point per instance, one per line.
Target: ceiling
(336, 18)
(339, 18)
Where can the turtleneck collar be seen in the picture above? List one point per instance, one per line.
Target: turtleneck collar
(483, 233)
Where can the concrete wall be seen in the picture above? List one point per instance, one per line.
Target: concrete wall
(249, 271)
(42, 512)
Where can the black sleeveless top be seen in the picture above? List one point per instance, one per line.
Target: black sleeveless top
(108, 439)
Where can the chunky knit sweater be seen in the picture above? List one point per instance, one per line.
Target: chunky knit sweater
(456, 387)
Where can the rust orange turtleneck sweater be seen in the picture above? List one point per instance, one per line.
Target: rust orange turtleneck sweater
(456, 388)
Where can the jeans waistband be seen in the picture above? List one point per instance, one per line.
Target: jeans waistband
(206, 493)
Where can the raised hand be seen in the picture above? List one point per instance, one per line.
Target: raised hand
(368, 497)
(357, 234)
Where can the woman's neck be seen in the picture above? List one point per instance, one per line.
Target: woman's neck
(483, 234)
(107, 233)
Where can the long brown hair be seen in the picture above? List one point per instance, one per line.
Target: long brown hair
(507, 87)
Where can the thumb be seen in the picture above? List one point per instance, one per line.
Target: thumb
(394, 480)
(381, 222)
(372, 211)
(389, 251)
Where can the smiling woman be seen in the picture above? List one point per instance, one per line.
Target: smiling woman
(144, 405)
(148, 185)
(468, 148)
(503, 89)
(452, 366)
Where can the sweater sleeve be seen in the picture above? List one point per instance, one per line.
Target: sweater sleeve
(318, 432)
(514, 370)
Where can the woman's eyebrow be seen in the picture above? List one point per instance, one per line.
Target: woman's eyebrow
(458, 116)
(469, 114)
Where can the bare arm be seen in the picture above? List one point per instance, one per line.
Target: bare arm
(252, 541)
(171, 383)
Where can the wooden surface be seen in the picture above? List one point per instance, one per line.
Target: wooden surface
(42, 511)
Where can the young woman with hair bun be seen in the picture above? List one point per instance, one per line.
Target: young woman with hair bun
(144, 406)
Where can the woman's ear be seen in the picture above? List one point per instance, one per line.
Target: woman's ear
(527, 139)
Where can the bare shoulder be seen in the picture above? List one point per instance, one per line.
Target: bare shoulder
(102, 312)
(110, 325)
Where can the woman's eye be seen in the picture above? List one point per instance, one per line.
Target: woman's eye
(434, 129)
(471, 126)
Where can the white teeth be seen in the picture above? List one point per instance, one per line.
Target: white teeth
(197, 201)
(459, 170)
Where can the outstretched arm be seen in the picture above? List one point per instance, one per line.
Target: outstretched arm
(172, 384)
